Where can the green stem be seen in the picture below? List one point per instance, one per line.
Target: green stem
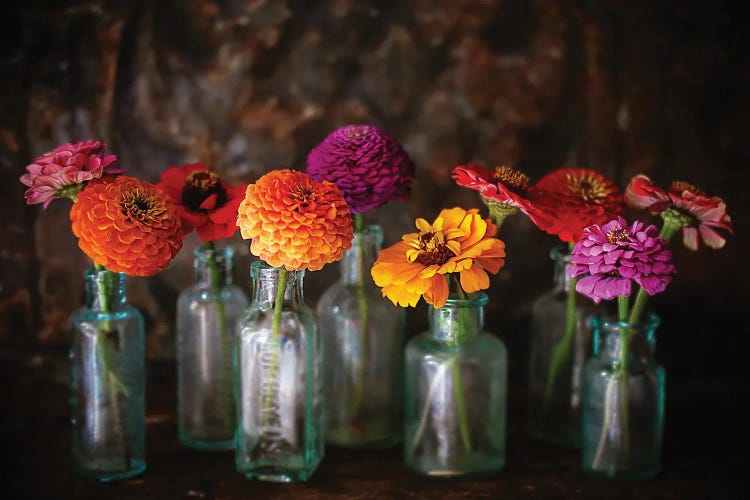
(363, 320)
(622, 307)
(107, 347)
(458, 386)
(272, 391)
(217, 284)
(624, 348)
(561, 352)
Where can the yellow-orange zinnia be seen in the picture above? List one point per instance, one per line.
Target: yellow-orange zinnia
(126, 225)
(295, 222)
(459, 241)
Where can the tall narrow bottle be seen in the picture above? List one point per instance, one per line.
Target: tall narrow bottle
(207, 317)
(279, 434)
(363, 343)
(107, 381)
(560, 345)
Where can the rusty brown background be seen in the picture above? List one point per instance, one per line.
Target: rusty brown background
(247, 86)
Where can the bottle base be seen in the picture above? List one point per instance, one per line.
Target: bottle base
(111, 476)
(623, 474)
(348, 441)
(279, 474)
(214, 445)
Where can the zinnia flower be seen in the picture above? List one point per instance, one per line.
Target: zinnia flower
(612, 256)
(369, 166)
(202, 200)
(459, 241)
(684, 207)
(578, 198)
(295, 222)
(63, 171)
(505, 191)
(126, 225)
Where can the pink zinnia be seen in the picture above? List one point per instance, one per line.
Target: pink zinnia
(369, 166)
(506, 187)
(63, 171)
(685, 206)
(610, 257)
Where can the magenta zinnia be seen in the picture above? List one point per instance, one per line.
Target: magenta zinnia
(684, 207)
(609, 258)
(62, 172)
(369, 166)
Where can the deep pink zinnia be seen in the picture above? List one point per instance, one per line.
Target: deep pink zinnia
(684, 206)
(504, 189)
(609, 258)
(369, 166)
(63, 171)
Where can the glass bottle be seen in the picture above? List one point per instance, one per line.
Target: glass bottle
(362, 334)
(107, 381)
(559, 347)
(279, 434)
(207, 316)
(456, 383)
(623, 401)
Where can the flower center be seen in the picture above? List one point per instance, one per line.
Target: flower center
(199, 185)
(304, 194)
(589, 189)
(137, 205)
(617, 235)
(357, 131)
(679, 186)
(432, 249)
(515, 180)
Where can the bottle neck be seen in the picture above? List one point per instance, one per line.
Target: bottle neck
(615, 341)
(357, 261)
(266, 285)
(561, 258)
(458, 320)
(105, 290)
(213, 267)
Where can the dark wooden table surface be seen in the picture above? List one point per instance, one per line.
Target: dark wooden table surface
(705, 451)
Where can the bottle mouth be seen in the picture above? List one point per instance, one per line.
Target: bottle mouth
(649, 321)
(261, 269)
(472, 300)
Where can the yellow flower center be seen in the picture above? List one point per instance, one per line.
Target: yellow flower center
(680, 186)
(618, 234)
(201, 184)
(588, 188)
(515, 180)
(138, 205)
(431, 249)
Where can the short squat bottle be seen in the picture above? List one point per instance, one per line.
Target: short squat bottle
(559, 348)
(279, 434)
(623, 401)
(207, 316)
(107, 381)
(363, 343)
(455, 406)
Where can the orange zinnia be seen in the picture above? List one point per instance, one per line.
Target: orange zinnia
(459, 241)
(126, 225)
(295, 222)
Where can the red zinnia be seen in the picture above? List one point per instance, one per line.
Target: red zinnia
(578, 198)
(503, 190)
(202, 200)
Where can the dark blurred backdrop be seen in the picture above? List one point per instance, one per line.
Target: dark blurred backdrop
(247, 86)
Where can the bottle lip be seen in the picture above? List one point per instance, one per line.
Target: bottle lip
(649, 321)
(260, 269)
(475, 299)
(560, 252)
(200, 252)
(92, 272)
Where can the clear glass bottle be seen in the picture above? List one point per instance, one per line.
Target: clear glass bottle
(456, 384)
(559, 347)
(279, 434)
(362, 334)
(107, 381)
(623, 401)
(207, 317)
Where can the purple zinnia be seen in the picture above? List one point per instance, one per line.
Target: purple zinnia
(369, 166)
(614, 255)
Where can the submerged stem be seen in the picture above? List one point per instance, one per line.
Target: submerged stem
(270, 394)
(363, 311)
